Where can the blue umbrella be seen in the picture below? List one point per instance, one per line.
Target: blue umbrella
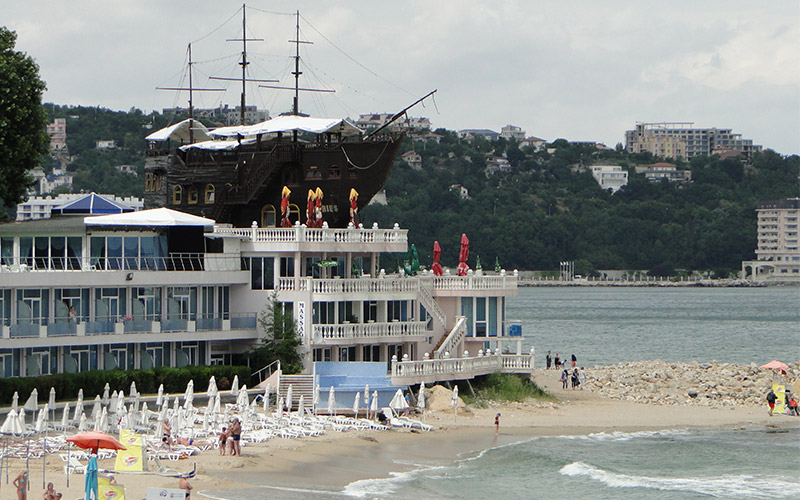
(91, 478)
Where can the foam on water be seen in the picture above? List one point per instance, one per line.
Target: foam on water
(627, 436)
(388, 485)
(728, 486)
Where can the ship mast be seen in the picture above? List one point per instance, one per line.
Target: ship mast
(244, 63)
(191, 90)
(297, 72)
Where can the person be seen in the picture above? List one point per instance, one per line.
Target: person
(575, 379)
(583, 377)
(184, 485)
(497, 424)
(236, 431)
(223, 441)
(793, 406)
(771, 398)
(548, 360)
(49, 493)
(58, 496)
(167, 430)
(558, 361)
(574, 360)
(564, 379)
(21, 482)
(112, 479)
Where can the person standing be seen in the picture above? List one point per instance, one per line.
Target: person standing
(558, 362)
(548, 360)
(564, 379)
(236, 431)
(575, 379)
(771, 398)
(21, 482)
(223, 441)
(583, 377)
(183, 484)
(574, 360)
(497, 424)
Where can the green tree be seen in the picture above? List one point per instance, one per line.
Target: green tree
(281, 340)
(23, 139)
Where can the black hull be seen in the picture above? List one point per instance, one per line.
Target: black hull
(242, 186)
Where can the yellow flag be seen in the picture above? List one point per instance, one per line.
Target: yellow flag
(780, 392)
(131, 459)
(108, 491)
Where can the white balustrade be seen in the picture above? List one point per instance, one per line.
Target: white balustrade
(350, 331)
(459, 368)
(302, 234)
(453, 339)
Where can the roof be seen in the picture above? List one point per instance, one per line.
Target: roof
(41, 227)
(180, 132)
(156, 217)
(662, 164)
(91, 204)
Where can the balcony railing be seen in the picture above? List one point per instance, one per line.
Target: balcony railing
(172, 262)
(302, 234)
(400, 330)
(431, 370)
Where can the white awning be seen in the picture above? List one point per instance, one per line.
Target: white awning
(150, 218)
(288, 123)
(213, 145)
(180, 132)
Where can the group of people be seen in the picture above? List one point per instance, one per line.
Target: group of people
(557, 363)
(577, 378)
(789, 401)
(230, 437)
(21, 483)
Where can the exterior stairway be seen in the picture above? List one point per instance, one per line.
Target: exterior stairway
(301, 384)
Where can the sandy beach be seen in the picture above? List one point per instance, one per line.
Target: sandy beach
(336, 459)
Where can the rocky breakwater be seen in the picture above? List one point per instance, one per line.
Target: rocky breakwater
(712, 384)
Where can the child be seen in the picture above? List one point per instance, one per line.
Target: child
(496, 424)
(223, 440)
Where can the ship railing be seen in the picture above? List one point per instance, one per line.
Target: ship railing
(370, 330)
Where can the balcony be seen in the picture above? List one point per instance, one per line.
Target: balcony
(436, 370)
(172, 262)
(374, 332)
(319, 239)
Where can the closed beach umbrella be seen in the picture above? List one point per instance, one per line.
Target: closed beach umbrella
(235, 386)
(212, 387)
(398, 402)
(331, 401)
(300, 404)
(133, 392)
(65, 416)
(366, 395)
(454, 401)
(289, 398)
(32, 404)
(96, 407)
(356, 404)
(82, 425)
(113, 401)
(90, 485)
(11, 424)
(78, 410)
(15, 401)
(160, 396)
(80, 394)
(279, 409)
(52, 399)
(266, 398)
(106, 393)
(315, 401)
(120, 402)
(188, 395)
(41, 419)
(421, 397)
(21, 420)
(373, 405)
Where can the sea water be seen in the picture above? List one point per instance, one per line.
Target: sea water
(606, 326)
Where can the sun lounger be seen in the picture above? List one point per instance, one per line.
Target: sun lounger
(74, 467)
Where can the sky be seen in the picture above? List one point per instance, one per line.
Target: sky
(581, 70)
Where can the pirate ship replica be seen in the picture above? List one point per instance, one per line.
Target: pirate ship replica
(237, 174)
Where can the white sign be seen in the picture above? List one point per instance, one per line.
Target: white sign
(165, 494)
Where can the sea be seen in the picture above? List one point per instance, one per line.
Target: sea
(607, 326)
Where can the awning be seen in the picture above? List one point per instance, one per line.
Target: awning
(288, 123)
(156, 217)
(180, 132)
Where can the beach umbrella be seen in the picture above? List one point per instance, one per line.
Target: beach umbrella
(212, 387)
(132, 392)
(96, 407)
(289, 398)
(373, 405)
(217, 404)
(300, 404)
(32, 404)
(280, 405)
(80, 394)
(15, 401)
(421, 397)
(104, 420)
(41, 419)
(120, 402)
(93, 440)
(366, 395)
(160, 396)
(78, 410)
(144, 416)
(65, 416)
(436, 268)
(11, 424)
(463, 255)
(106, 391)
(266, 398)
(398, 401)
(242, 401)
(96, 419)
(235, 386)
(188, 395)
(90, 484)
(315, 401)
(331, 401)
(113, 401)
(82, 426)
(52, 398)
(21, 420)
(454, 402)
(356, 403)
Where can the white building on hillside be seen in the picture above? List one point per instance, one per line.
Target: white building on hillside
(778, 250)
(611, 177)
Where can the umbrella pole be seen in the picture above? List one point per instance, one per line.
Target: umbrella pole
(28, 459)
(44, 461)
(69, 450)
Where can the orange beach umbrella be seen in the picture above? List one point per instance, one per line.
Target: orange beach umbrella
(775, 365)
(93, 440)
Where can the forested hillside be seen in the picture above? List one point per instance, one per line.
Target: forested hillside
(546, 210)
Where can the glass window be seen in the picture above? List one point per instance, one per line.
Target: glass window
(287, 267)
(177, 195)
(74, 252)
(268, 216)
(193, 196)
(114, 252)
(182, 302)
(146, 303)
(6, 252)
(466, 310)
(209, 195)
(26, 250)
(492, 316)
(131, 251)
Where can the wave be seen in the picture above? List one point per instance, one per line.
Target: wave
(729, 486)
(388, 485)
(627, 436)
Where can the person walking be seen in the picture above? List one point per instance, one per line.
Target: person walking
(575, 379)
(564, 379)
(184, 485)
(548, 360)
(583, 377)
(771, 398)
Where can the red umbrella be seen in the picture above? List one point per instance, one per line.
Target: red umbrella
(310, 220)
(437, 253)
(285, 207)
(93, 440)
(462, 256)
(775, 365)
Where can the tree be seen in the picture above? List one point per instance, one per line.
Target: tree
(23, 139)
(281, 340)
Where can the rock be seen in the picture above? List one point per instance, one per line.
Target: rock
(692, 393)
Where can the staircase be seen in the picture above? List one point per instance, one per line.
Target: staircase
(301, 385)
(427, 300)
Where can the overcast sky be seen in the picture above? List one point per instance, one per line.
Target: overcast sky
(581, 70)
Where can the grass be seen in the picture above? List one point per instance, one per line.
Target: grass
(504, 387)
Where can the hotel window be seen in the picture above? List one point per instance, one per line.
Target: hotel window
(146, 303)
(287, 267)
(466, 310)
(33, 306)
(262, 273)
(5, 308)
(6, 251)
(323, 354)
(8, 365)
(47, 359)
(346, 312)
(480, 316)
(370, 310)
(109, 304)
(182, 302)
(397, 310)
(156, 352)
(71, 305)
(371, 352)
(269, 217)
(347, 354)
(177, 195)
(209, 198)
(193, 195)
(324, 313)
(294, 212)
